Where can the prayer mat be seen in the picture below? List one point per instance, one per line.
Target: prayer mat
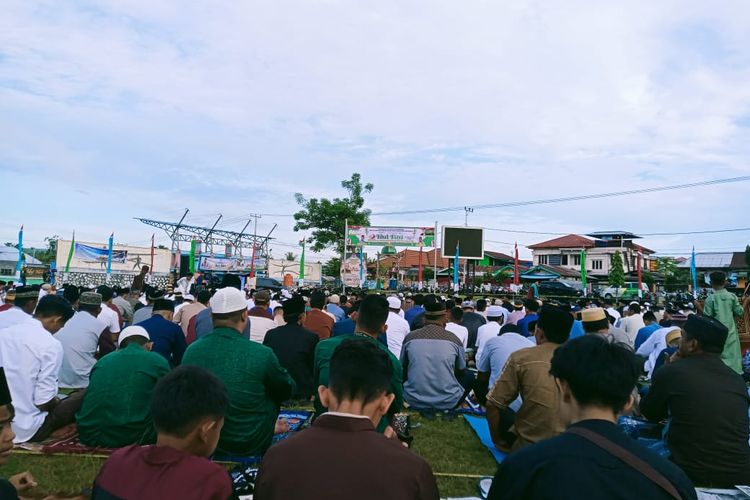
(73, 446)
(482, 430)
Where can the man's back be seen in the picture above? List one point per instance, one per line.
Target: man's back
(80, 339)
(160, 472)
(708, 406)
(205, 325)
(348, 447)
(485, 333)
(125, 308)
(527, 374)
(115, 410)
(256, 384)
(12, 316)
(524, 323)
(398, 329)
(295, 348)
(571, 467)
(142, 314)
(497, 351)
(319, 323)
(184, 315)
(430, 357)
(168, 339)
(472, 321)
(259, 327)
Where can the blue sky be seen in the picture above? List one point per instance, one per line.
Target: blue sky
(141, 109)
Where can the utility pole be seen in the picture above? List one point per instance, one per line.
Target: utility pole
(175, 242)
(255, 243)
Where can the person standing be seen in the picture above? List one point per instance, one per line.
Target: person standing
(139, 281)
(295, 347)
(255, 381)
(724, 306)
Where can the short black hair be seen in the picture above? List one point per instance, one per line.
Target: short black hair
(450, 304)
(531, 305)
(718, 278)
(203, 296)
(373, 312)
(634, 308)
(597, 372)
(481, 305)
(596, 326)
(54, 305)
(231, 280)
(106, 292)
(71, 294)
(90, 308)
(649, 316)
(556, 323)
(184, 397)
(163, 305)
(317, 300)
(360, 370)
(457, 313)
(418, 299)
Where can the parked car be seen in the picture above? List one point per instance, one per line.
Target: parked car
(629, 291)
(558, 288)
(268, 284)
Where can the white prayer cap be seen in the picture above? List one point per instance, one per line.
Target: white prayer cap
(133, 331)
(495, 312)
(394, 302)
(228, 300)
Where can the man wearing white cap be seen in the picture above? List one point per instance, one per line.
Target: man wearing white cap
(255, 381)
(334, 307)
(112, 419)
(495, 320)
(397, 327)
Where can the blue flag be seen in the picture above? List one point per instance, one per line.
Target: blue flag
(694, 275)
(455, 267)
(109, 253)
(20, 250)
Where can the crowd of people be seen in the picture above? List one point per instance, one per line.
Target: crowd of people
(173, 378)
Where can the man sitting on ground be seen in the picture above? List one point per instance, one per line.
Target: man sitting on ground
(349, 324)
(495, 355)
(357, 397)
(373, 313)
(595, 379)
(295, 347)
(472, 321)
(23, 307)
(649, 318)
(455, 316)
(143, 313)
(187, 312)
(317, 320)
(109, 314)
(527, 374)
(166, 337)
(32, 359)
(255, 381)
(435, 375)
(532, 308)
(262, 320)
(112, 419)
(495, 320)
(595, 322)
(188, 409)
(397, 327)
(334, 307)
(201, 323)
(123, 306)
(707, 404)
(84, 339)
(632, 322)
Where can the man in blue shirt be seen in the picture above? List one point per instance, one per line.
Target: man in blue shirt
(348, 325)
(334, 307)
(415, 311)
(532, 307)
(649, 318)
(168, 338)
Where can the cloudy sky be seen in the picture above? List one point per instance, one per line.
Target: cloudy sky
(136, 108)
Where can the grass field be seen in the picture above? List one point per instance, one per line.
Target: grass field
(449, 446)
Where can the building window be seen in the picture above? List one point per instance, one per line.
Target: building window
(543, 259)
(563, 260)
(7, 271)
(577, 260)
(596, 264)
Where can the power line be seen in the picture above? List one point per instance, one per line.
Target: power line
(573, 198)
(675, 233)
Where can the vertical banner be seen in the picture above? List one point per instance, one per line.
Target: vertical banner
(516, 275)
(584, 276)
(19, 264)
(694, 275)
(302, 261)
(639, 256)
(109, 253)
(455, 268)
(191, 262)
(70, 252)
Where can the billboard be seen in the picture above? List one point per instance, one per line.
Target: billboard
(87, 253)
(353, 272)
(233, 264)
(92, 257)
(386, 235)
(470, 241)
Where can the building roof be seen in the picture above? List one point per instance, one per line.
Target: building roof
(499, 255)
(613, 235)
(738, 261)
(10, 254)
(709, 260)
(569, 241)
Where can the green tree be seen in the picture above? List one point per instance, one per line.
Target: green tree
(290, 256)
(666, 266)
(616, 274)
(648, 278)
(327, 218)
(332, 267)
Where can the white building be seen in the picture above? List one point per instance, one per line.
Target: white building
(565, 252)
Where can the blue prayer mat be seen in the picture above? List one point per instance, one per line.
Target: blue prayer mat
(482, 430)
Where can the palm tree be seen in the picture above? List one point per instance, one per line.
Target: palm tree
(290, 256)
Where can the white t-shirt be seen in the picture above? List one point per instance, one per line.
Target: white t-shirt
(259, 326)
(32, 358)
(110, 319)
(485, 333)
(398, 329)
(459, 331)
(653, 346)
(631, 325)
(496, 352)
(80, 340)
(13, 316)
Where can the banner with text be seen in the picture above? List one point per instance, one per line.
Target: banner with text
(395, 236)
(230, 264)
(353, 269)
(88, 253)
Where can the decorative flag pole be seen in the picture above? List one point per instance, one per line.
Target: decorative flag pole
(455, 268)
(516, 275)
(638, 257)
(70, 252)
(151, 263)
(302, 262)
(191, 262)
(19, 264)
(109, 254)
(584, 276)
(419, 277)
(694, 274)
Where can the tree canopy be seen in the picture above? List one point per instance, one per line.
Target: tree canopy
(327, 218)
(616, 273)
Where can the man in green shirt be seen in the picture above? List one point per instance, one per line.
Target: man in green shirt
(373, 313)
(255, 381)
(115, 410)
(724, 306)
